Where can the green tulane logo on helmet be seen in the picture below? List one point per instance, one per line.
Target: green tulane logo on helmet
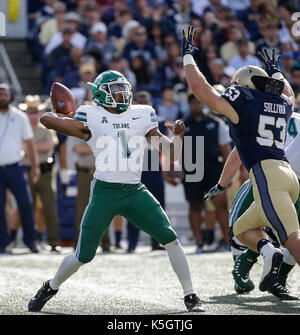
(112, 89)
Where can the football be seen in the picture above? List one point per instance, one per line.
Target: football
(62, 99)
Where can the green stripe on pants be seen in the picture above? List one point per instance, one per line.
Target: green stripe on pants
(134, 202)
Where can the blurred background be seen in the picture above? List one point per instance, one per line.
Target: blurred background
(72, 41)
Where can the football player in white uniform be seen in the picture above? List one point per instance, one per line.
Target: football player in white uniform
(115, 130)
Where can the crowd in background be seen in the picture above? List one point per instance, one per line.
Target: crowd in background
(75, 40)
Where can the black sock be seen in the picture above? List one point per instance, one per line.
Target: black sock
(118, 237)
(13, 235)
(209, 236)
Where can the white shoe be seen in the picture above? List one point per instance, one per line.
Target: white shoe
(272, 262)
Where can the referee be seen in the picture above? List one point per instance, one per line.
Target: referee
(15, 130)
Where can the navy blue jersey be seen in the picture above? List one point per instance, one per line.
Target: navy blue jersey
(261, 131)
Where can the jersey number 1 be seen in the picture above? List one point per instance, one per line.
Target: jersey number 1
(124, 143)
(266, 135)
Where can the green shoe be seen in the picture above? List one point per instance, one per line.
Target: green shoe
(240, 272)
(281, 292)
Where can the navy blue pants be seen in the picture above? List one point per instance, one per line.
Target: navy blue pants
(154, 182)
(13, 177)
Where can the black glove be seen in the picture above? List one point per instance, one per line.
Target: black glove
(187, 45)
(215, 190)
(271, 64)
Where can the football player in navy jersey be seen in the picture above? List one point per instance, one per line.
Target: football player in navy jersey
(258, 105)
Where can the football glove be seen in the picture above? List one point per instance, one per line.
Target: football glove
(187, 44)
(270, 63)
(215, 190)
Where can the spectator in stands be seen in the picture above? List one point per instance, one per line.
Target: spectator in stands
(92, 15)
(141, 46)
(205, 39)
(216, 67)
(270, 38)
(237, 5)
(78, 40)
(80, 6)
(117, 63)
(228, 73)
(286, 10)
(96, 58)
(45, 141)
(68, 69)
(168, 109)
(139, 67)
(82, 91)
(115, 28)
(216, 150)
(214, 6)
(15, 130)
(230, 49)
(250, 17)
(53, 25)
(99, 41)
(288, 62)
(112, 10)
(143, 13)
(55, 57)
(157, 37)
(225, 23)
(180, 15)
(128, 33)
(45, 13)
(244, 57)
(295, 76)
(171, 70)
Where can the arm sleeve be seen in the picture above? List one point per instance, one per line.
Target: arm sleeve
(27, 133)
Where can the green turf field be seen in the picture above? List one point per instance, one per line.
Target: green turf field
(140, 283)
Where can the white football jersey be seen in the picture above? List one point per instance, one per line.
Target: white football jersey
(118, 140)
(292, 150)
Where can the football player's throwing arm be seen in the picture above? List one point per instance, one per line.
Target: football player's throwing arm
(65, 125)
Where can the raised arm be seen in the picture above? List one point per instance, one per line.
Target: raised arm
(202, 90)
(65, 125)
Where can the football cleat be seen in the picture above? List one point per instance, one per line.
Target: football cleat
(44, 294)
(280, 291)
(240, 272)
(272, 262)
(193, 303)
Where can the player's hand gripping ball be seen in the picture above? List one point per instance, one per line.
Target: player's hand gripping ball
(63, 100)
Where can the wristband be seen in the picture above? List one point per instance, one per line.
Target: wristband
(188, 60)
